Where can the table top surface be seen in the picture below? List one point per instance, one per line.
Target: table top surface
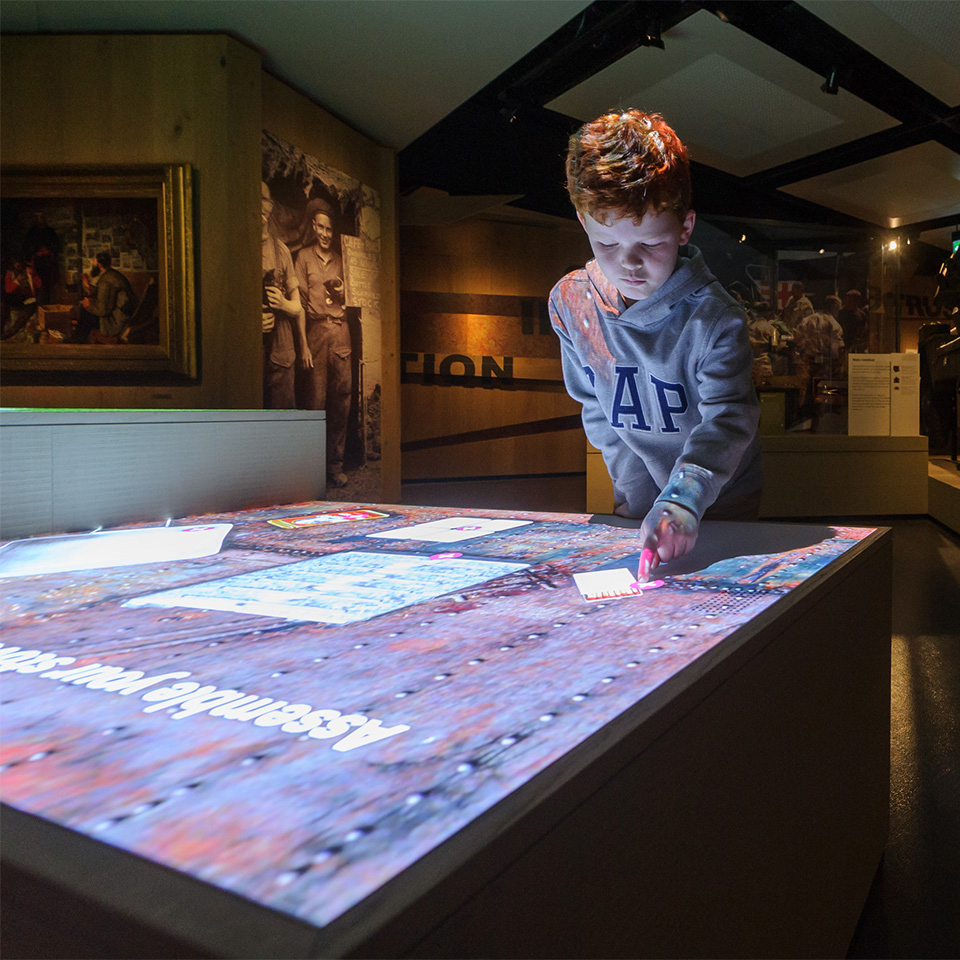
(320, 696)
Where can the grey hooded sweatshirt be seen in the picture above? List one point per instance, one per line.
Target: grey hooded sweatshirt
(664, 384)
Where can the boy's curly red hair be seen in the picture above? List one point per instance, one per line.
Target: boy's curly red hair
(626, 163)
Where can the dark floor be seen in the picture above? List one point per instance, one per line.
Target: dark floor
(913, 909)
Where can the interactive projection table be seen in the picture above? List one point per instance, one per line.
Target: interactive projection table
(328, 729)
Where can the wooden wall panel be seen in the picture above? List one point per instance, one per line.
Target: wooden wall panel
(202, 100)
(494, 432)
(556, 452)
(299, 121)
(133, 99)
(477, 409)
(491, 257)
(473, 297)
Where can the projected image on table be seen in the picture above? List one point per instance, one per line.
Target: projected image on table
(341, 588)
(408, 685)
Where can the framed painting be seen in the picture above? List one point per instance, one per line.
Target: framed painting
(98, 274)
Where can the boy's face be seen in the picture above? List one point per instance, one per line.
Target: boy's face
(638, 256)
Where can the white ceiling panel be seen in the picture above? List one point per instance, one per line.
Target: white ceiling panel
(912, 185)
(737, 104)
(918, 38)
(739, 113)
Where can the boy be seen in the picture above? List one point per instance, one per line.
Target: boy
(655, 350)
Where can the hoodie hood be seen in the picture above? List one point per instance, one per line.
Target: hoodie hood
(690, 275)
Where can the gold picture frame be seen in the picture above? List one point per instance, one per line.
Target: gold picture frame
(63, 229)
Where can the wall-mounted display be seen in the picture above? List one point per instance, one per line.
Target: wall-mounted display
(321, 308)
(98, 274)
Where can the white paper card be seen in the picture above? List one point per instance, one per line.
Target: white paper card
(110, 548)
(450, 529)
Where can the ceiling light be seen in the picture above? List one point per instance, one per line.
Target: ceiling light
(832, 84)
(650, 30)
(892, 245)
(509, 111)
(822, 250)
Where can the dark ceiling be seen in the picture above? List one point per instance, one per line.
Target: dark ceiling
(505, 140)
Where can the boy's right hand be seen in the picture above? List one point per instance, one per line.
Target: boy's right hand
(668, 531)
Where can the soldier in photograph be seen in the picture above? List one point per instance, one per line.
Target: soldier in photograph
(283, 320)
(329, 382)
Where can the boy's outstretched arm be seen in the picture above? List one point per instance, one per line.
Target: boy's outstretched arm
(668, 531)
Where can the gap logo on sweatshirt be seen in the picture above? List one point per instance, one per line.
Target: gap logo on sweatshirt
(671, 401)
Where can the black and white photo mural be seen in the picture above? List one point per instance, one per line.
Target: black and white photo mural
(321, 308)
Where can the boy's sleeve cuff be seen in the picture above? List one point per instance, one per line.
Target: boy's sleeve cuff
(689, 486)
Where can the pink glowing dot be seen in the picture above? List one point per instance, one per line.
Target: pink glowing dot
(445, 556)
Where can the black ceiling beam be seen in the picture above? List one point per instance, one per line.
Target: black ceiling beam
(719, 194)
(601, 34)
(855, 151)
(476, 151)
(935, 223)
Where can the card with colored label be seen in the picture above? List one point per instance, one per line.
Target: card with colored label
(612, 584)
(319, 519)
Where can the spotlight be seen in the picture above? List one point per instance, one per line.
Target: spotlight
(511, 104)
(892, 245)
(832, 84)
(509, 112)
(650, 31)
